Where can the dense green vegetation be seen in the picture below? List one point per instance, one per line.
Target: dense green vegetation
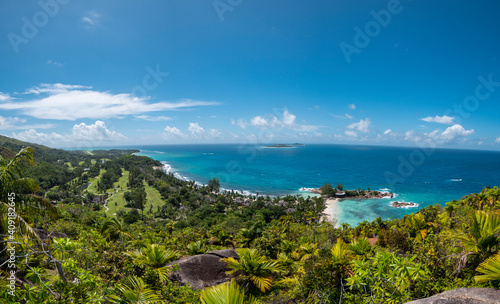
(122, 233)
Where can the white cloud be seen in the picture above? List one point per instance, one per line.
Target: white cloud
(55, 88)
(214, 133)
(260, 122)
(88, 20)
(40, 138)
(82, 135)
(16, 123)
(361, 126)
(240, 123)
(56, 63)
(455, 131)
(195, 129)
(173, 131)
(197, 132)
(352, 106)
(345, 116)
(388, 131)
(288, 118)
(5, 97)
(91, 19)
(95, 132)
(288, 121)
(351, 133)
(446, 120)
(451, 134)
(497, 140)
(72, 102)
(153, 118)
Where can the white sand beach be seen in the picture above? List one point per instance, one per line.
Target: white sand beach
(332, 210)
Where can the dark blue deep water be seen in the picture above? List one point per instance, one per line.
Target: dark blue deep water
(423, 176)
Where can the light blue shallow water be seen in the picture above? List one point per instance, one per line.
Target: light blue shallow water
(425, 177)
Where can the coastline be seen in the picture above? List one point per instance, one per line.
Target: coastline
(332, 211)
(312, 166)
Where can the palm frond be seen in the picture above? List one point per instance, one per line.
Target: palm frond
(135, 291)
(490, 269)
(228, 293)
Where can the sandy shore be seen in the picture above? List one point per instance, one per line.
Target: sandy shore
(332, 209)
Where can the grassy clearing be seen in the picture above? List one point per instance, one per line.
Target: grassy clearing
(121, 184)
(93, 182)
(116, 203)
(153, 198)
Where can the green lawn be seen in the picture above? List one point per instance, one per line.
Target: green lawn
(70, 167)
(153, 198)
(121, 183)
(93, 182)
(116, 203)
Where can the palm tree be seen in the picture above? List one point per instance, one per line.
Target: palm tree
(197, 247)
(490, 269)
(417, 225)
(494, 193)
(306, 251)
(482, 238)
(253, 270)
(135, 291)
(155, 257)
(360, 246)
(114, 229)
(228, 293)
(11, 175)
(15, 191)
(341, 258)
(287, 246)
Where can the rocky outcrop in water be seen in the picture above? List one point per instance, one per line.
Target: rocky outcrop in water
(402, 204)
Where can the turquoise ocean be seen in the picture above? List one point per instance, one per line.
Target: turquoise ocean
(419, 175)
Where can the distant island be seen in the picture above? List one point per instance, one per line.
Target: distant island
(286, 145)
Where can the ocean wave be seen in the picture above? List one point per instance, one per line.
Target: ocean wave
(244, 192)
(169, 169)
(394, 195)
(455, 180)
(384, 189)
(304, 189)
(166, 167)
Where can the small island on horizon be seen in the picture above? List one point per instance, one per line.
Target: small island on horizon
(285, 145)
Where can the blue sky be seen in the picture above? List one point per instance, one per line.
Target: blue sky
(109, 73)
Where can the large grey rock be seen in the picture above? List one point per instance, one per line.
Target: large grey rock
(225, 253)
(203, 270)
(463, 296)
